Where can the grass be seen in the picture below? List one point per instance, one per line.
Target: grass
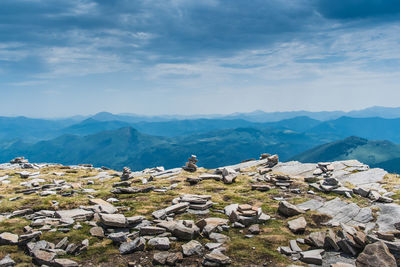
(256, 251)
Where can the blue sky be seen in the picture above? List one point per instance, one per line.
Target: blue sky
(66, 57)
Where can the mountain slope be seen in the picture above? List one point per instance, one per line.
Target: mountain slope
(369, 128)
(129, 147)
(373, 153)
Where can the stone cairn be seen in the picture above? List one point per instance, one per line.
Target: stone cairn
(191, 166)
(126, 174)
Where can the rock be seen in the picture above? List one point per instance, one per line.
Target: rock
(113, 220)
(384, 199)
(43, 257)
(191, 248)
(219, 238)
(104, 206)
(374, 195)
(312, 256)
(65, 263)
(129, 247)
(216, 258)
(159, 243)
(160, 258)
(385, 236)
(294, 247)
(288, 209)
(361, 191)
(97, 232)
(151, 230)
(119, 237)
(297, 225)
(173, 258)
(254, 229)
(62, 244)
(212, 246)
(183, 232)
(260, 187)
(376, 254)
(331, 240)
(316, 239)
(75, 214)
(8, 239)
(7, 262)
(228, 175)
(191, 166)
(342, 264)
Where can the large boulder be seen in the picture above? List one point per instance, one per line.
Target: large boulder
(376, 254)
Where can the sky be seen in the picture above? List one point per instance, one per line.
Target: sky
(68, 57)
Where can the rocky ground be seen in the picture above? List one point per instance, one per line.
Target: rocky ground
(256, 213)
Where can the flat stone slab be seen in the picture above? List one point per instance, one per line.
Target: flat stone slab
(295, 168)
(388, 215)
(340, 211)
(364, 178)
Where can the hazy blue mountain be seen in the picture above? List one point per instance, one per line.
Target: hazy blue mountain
(374, 153)
(376, 111)
(91, 126)
(129, 147)
(30, 130)
(186, 127)
(369, 128)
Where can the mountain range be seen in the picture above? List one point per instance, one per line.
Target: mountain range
(118, 140)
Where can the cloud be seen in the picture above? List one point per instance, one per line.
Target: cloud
(208, 47)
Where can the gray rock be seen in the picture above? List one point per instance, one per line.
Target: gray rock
(97, 232)
(297, 225)
(183, 232)
(119, 237)
(312, 256)
(159, 243)
(191, 248)
(288, 209)
(7, 262)
(216, 258)
(62, 244)
(151, 230)
(254, 229)
(113, 220)
(129, 247)
(219, 238)
(8, 239)
(376, 254)
(76, 214)
(64, 263)
(294, 247)
(43, 257)
(316, 239)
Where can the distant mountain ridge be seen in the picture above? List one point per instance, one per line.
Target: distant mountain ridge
(383, 154)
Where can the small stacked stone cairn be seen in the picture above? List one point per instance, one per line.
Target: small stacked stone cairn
(229, 175)
(245, 215)
(327, 183)
(126, 174)
(195, 204)
(191, 166)
(19, 160)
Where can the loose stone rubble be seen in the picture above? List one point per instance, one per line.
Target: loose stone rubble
(189, 227)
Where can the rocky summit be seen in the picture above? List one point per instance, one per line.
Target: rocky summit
(255, 213)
